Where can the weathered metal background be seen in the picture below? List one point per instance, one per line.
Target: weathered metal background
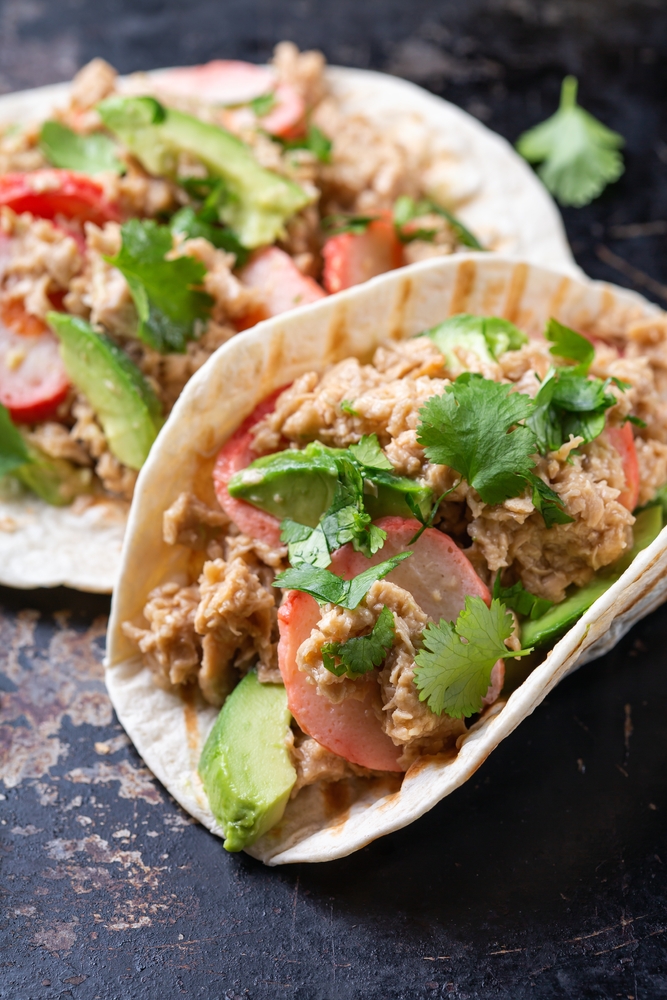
(545, 876)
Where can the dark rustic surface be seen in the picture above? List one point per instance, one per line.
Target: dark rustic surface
(545, 875)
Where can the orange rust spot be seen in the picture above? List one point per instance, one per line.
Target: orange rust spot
(337, 336)
(515, 291)
(463, 286)
(13, 314)
(397, 329)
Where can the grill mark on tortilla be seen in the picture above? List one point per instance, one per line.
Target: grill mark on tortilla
(492, 297)
(463, 287)
(559, 297)
(338, 338)
(397, 326)
(275, 361)
(517, 284)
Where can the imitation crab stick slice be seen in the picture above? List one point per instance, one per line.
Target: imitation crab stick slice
(237, 454)
(622, 439)
(50, 193)
(350, 729)
(279, 281)
(33, 380)
(352, 258)
(230, 83)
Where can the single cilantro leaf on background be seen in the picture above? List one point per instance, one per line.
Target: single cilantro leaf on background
(13, 449)
(369, 453)
(570, 345)
(362, 653)
(473, 428)
(167, 304)
(406, 209)
(519, 599)
(579, 155)
(326, 587)
(453, 670)
(87, 154)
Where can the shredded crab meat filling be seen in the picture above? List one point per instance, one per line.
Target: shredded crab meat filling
(408, 721)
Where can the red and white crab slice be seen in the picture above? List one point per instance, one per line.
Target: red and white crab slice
(352, 258)
(33, 380)
(280, 283)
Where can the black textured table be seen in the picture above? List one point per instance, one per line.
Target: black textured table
(544, 876)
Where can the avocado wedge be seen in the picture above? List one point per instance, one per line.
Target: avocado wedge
(549, 627)
(245, 764)
(124, 403)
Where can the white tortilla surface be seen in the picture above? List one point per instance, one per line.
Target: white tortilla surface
(497, 195)
(330, 821)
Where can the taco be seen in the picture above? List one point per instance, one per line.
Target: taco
(146, 220)
(426, 501)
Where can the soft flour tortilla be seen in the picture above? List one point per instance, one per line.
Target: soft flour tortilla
(506, 206)
(331, 821)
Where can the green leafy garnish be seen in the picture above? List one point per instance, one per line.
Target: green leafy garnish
(547, 502)
(519, 599)
(569, 403)
(362, 653)
(347, 406)
(406, 209)
(474, 427)
(314, 140)
(570, 345)
(369, 453)
(87, 154)
(168, 306)
(13, 449)
(263, 104)
(334, 225)
(191, 225)
(579, 155)
(453, 670)
(486, 336)
(327, 588)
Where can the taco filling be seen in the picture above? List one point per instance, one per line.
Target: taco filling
(153, 218)
(397, 543)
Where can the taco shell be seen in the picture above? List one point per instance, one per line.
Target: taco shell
(169, 733)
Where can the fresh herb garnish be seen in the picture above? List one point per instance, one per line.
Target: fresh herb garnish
(519, 599)
(579, 155)
(347, 406)
(168, 306)
(362, 653)
(569, 403)
(314, 140)
(263, 104)
(570, 345)
(368, 452)
(334, 225)
(191, 225)
(475, 427)
(486, 336)
(13, 449)
(547, 502)
(406, 209)
(453, 670)
(327, 588)
(87, 154)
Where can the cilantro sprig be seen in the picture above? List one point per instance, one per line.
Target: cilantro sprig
(519, 599)
(314, 140)
(342, 222)
(87, 154)
(453, 669)
(406, 209)
(579, 155)
(362, 653)
(168, 303)
(327, 588)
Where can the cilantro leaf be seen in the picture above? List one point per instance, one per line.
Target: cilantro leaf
(486, 336)
(579, 155)
(13, 449)
(341, 222)
(474, 427)
(519, 599)
(305, 544)
(369, 453)
(87, 154)
(569, 403)
(169, 308)
(191, 225)
(548, 503)
(406, 209)
(263, 104)
(362, 653)
(570, 345)
(314, 140)
(347, 406)
(453, 670)
(326, 587)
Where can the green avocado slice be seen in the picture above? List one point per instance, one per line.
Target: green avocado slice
(301, 485)
(260, 201)
(245, 765)
(124, 403)
(545, 630)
